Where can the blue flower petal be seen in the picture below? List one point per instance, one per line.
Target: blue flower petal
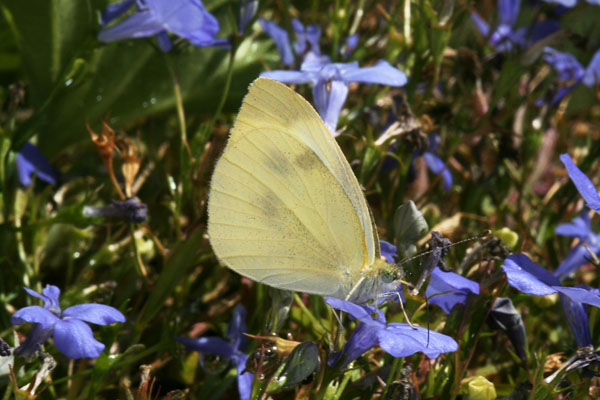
(115, 10)
(36, 337)
(402, 340)
(329, 100)
(528, 277)
(441, 282)
(564, 3)
(248, 10)
(579, 227)
(580, 295)
(31, 161)
(565, 64)
(508, 11)
(36, 314)
(382, 73)
(578, 320)
(577, 257)
(389, 251)
(361, 312)
(288, 76)
(138, 25)
(244, 379)
(99, 314)
(208, 345)
(50, 295)
(75, 339)
(281, 39)
(482, 26)
(591, 77)
(584, 185)
(362, 339)
(164, 42)
(237, 327)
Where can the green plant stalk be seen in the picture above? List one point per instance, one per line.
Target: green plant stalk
(228, 78)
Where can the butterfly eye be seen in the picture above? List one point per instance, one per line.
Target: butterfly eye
(389, 275)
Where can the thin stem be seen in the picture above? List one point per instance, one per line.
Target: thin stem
(228, 78)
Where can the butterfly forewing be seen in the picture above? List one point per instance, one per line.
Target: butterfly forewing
(277, 212)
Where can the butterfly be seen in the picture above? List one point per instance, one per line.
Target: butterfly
(285, 208)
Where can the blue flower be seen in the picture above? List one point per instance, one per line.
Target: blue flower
(281, 39)
(350, 46)
(584, 185)
(305, 46)
(577, 319)
(458, 286)
(531, 278)
(72, 336)
(580, 228)
(397, 339)
(248, 10)
(31, 161)
(434, 163)
(570, 72)
(330, 82)
(570, 3)
(505, 37)
(229, 349)
(186, 18)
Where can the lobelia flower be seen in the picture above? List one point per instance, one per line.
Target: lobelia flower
(579, 227)
(230, 349)
(570, 3)
(186, 18)
(458, 286)
(30, 161)
(397, 339)
(248, 10)
(505, 37)
(531, 278)
(570, 72)
(72, 336)
(584, 185)
(310, 34)
(433, 162)
(330, 82)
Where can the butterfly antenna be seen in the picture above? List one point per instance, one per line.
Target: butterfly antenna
(482, 235)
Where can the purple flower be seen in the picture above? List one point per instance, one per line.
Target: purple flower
(434, 163)
(31, 161)
(580, 228)
(281, 39)
(351, 43)
(330, 82)
(388, 251)
(505, 37)
(570, 72)
(578, 320)
(397, 339)
(458, 286)
(72, 336)
(570, 3)
(531, 278)
(186, 18)
(247, 12)
(306, 45)
(584, 185)
(230, 349)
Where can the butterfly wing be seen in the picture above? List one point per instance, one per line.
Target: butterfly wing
(284, 207)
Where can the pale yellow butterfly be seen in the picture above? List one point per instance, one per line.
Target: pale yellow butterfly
(285, 208)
